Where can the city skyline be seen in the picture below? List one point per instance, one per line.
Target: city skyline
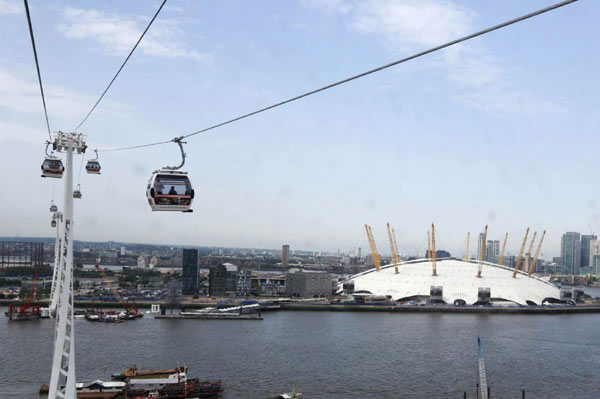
(491, 132)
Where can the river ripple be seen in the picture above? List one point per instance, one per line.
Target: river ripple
(330, 355)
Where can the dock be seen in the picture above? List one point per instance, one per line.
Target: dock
(210, 316)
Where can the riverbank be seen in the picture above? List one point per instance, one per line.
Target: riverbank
(444, 309)
(578, 309)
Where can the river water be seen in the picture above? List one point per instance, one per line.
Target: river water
(330, 355)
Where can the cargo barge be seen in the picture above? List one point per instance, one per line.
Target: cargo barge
(152, 384)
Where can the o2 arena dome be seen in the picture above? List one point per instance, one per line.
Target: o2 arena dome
(453, 282)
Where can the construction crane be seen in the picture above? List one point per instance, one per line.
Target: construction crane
(467, 252)
(528, 255)
(25, 311)
(503, 248)
(433, 259)
(128, 310)
(395, 257)
(537, 253)
(482, 254)
(374, 252)
(520, 254)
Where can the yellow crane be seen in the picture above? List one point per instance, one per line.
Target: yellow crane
(537, 253)
(503, 248)
(433, 249)
(520, 254)
(482, 254)
(374, 252)
(129, 310)
(467, 252)
(528, 255)
(395, 258)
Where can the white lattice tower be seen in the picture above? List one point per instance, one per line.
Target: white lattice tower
(62, 379)
(56, 274)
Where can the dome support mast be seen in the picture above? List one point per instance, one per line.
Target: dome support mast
(503, 248)
(482, 254)
(433, 252)
(520, 254)
(537, 253)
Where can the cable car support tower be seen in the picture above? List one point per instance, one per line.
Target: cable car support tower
(62, 380)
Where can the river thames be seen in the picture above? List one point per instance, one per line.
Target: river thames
(329, 354)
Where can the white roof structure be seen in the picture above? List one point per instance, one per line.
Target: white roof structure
(458, 279)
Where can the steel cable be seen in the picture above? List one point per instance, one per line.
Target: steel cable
(123, 65)
(329, 86)
(37, 65)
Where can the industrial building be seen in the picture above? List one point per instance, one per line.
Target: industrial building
(17, 253)
(308, 284)
(453, 281)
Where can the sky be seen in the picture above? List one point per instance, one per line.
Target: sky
(501, 130)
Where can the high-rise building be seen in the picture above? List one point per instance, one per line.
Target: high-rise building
(223, 280)
(594, 254)
(359, 252)
(285, 255)
(570, 252)
(480, 244)
(586, 240)
(492, 251)
(189, 280)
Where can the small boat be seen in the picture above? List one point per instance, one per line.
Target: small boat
(291, 395)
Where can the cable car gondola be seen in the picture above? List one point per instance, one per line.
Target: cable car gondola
(52, 166)
(77, 193)
(93, 166)
(170, 189)
(53, 208)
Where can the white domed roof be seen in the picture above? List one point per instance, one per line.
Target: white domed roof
(458, 279)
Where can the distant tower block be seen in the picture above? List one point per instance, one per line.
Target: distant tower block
(285, 255)
(359, 250)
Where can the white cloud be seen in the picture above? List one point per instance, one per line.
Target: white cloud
(341, 6)
(10, 7)
(117, 35)
(412, 23)
(22, 95)
(475, 77)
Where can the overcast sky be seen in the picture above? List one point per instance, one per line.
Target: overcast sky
(502, 130)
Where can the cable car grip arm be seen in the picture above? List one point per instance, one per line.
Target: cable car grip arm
(180, 143)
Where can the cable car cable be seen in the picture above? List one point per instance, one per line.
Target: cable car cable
(80, 167)
(37, 65)
(119, 71)
(363, 74)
